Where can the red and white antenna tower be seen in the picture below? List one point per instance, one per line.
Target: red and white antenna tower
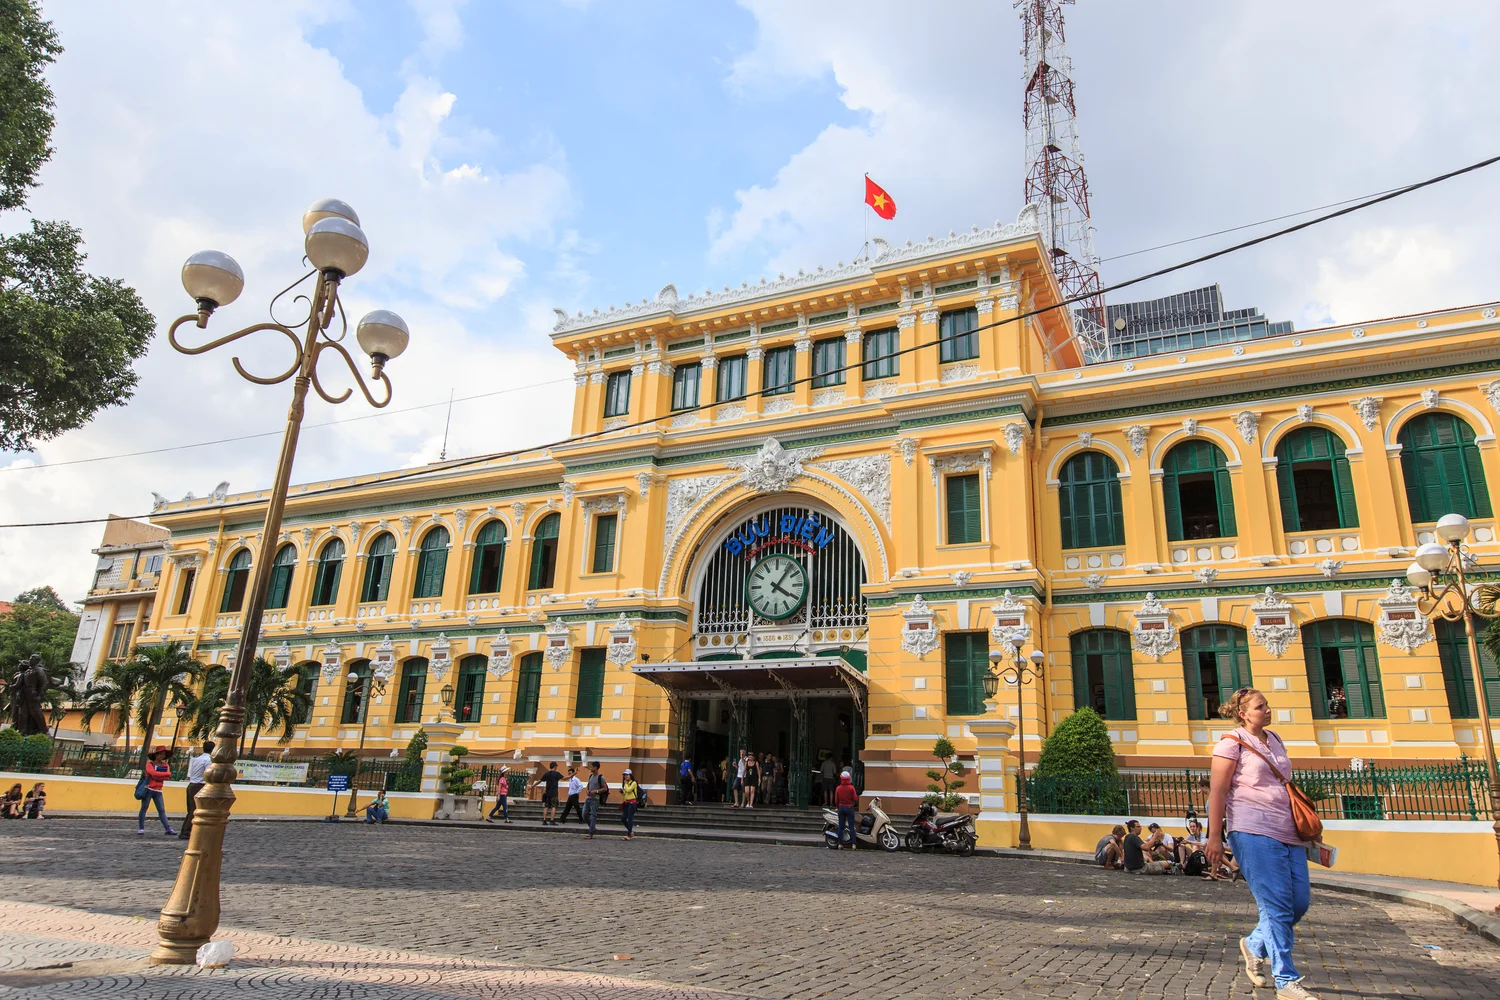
(1055, 182)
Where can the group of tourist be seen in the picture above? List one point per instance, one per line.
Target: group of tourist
(750, 779)
(155, 774)
(1157, 852)
(29, 806)
(585, 795)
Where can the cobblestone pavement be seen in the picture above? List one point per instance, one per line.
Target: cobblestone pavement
(750, 919)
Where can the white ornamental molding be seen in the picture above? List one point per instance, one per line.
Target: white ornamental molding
(1085, 439)
(1135, 434)
(661, 368)
(773, 468)
(919, 636)
(957, 373)
(441, 658)
(730, 411)
(1401, 623)
(621, 642)
(598, 378)
(961, 577)
(590, 603)
(1247, 422)
(882, 389)
(685, 494)
(1016, 436)
(1154, 632)
(1330, 567)
(518, 512)
(1492, 393)
(559, 644)
(637, 372)
(500, 656)
(460, 518)
(781, 404)
(615, 423)
(643, 484)
(870, 477)
(284, 655)
(332, 660)
(827, 397)
(1008, 621)
(406, 523)
(964, 461)
(1190, 427)
(1305, 413)
(383, 664)
(1368, 409)
(1205, 574)
(1430, 398)
(1273, 627)
(906, 321)
(908, 448)
(1094, 581)
(613, 503)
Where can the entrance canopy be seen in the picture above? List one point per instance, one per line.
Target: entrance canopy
(805, 677)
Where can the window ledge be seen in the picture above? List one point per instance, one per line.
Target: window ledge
(959, 546)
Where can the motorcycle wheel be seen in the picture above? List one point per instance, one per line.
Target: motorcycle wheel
(914, 841)
(890, 839)
(831, 840)
(966, 847)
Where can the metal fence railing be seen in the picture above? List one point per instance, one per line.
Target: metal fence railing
(516, 781)
(1433, 790)
(374, 773)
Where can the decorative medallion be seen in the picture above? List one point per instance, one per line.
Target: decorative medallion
(332, 659)
(1135, 434)
(621, 642)
(559, 644)
(1094, 581)
(1008, 621)
(1205, 574)
(383, 664)
(1154, 631)
(441, 657)
(284, 655)
(1430, 398)
(1247, 422)
(1085, 439)
(962, 577)
(500, 656)
(870, 476)
(1016, 435)
(920, 634)
(1330, 567)
(1305, 413)
(1401, 623)
(1190, 427)
(1273, 628)
(908, 446)
(1368, 408)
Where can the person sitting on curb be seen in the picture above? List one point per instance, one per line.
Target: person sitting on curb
(10, 806)
(1160, 845)
(1108, 853)
(379, 809)
(1135, 856)
(36, 801)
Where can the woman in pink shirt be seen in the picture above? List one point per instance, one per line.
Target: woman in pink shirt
(157, 773)
(1248, 794)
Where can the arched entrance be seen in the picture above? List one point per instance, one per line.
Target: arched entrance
(780, 631)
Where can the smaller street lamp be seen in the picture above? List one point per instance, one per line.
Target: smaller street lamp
(1018, 673)
(447, 696)
(367, 687)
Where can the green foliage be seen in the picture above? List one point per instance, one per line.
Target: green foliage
(943, 791)
(1078, 747)
(37, 750)
(457, 777)
(274, 699)
(27, 45)
(35, 624)
(24, 753)
(10, 743)
(112, 693)
(208, 702)
(342, 761)
(44, 597)
(164, 673)
(410, 777)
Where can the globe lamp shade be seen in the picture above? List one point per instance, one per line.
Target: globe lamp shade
(1037, 656)
(382, 335)
(1418, 577)
(1452, 527)
(1432, 557)
(336, 244)
(991, 684)
(213, 277)
(328, 208)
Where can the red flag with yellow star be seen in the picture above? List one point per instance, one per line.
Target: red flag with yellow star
(877, 198)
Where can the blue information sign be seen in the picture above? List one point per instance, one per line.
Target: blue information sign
(338, 782)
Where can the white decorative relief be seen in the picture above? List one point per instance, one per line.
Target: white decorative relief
(1094, 581)
(1430, 398)
(827, 397)
(1205, 574)
(919, 636)
(332, 659)
(779, 404)
(615, 423)
(283, 655)
(870, 476)
(1016, 436)
(383, 664)
(1085, 439)
(1154, 631)
(1330, 567)
(684, 420)
(1190, 427)
(500, 655)
(1135, 435)
(1247, 422)
(568, 489)
(621, 642)
(1305, 413)
(643, 484)
(590, 603)
(1492, 393)
(957, 373)
(1401, 623)
(882, 389)
(961, 577)
(1008, 621)
(964, 461)
(773, 468)
(730, 411)
(1368, 409)
(559, 643)
(518, 511)
(441, 658)
(908, 449)
(685, 494)
(1273, 628)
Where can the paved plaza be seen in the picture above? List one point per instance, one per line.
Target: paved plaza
(350, 910)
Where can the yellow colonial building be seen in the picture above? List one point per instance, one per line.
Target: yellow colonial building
(797, 515)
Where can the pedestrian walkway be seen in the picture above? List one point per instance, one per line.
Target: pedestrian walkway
(50, 952)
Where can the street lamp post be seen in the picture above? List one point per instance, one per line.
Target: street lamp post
(370, 688)
(336, 248)
(1018, 673)
(1439, 574)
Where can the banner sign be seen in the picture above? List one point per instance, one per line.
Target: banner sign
(265, 770)
(804, 531)
(338, 782)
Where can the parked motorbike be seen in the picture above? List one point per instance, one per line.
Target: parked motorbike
(873, 828)
(950, 831)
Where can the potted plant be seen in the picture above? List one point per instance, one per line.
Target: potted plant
(456, 785)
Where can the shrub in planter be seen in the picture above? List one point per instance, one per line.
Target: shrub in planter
(943, 792)
(1076, 772)
(11, 743)
(409, 779)
(342, 762)
(36, 752)
(458, 777)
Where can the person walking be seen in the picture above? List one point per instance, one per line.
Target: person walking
(575, 789)
(197, 769)
(846, 799)
(549, 782)
(685, 782)
(592, 796)
(829, 772)
(156, 775)
(630, 799)
(739, 780)
(750, 779)
(502, 796)
(1248, 796)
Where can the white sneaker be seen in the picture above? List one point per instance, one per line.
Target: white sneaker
(1294, 990)
(1254, 967)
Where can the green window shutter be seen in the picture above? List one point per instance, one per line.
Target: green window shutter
(1116, 533)
(1458, 682)
(1343, 479)
(1474, 477)
(1312, 653)
(1171, 505)
(1079, 643)
(966, 658)
(280, 587)
(1370, 670)
(589, 703)
(1119, 684)
(528, 687)
(1239, 665)
(1410, 475)
(1225, 494)
(604, 542)
(544, 553)
(1286, 492)
(1070, 529)
(1192, 678)
(1354, 682)
(963, 501)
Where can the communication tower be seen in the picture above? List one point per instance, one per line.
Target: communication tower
(1055, 181)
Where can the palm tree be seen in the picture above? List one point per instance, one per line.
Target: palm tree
(114, 691)
(63, 694)
(165, 671)
(210, 701)
(274, 699)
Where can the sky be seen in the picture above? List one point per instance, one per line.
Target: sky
(511, 156)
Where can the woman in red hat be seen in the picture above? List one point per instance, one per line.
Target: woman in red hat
(156, 775)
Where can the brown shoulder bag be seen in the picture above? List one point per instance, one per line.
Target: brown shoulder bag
(1304, 814)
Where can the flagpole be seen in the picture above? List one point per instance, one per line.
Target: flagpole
(867, 218)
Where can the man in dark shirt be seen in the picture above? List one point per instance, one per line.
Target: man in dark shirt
(1135, 857)
(549, 794)
(591, 797)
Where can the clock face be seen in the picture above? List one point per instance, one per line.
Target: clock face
(776, 587)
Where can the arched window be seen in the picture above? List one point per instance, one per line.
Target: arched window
(413, 688)
(330, 565)
(1441, 466)
(470, 703)
(280, 588)
(1195, 489)
(1215, 664)
(432, 563)
(1089, 501)
(544, 553)
(1458, 675)
(1103, 675)
(378, 566)
(489, 559)
(356, 691)
(1313, 481)
(1343, 673)
(307, 683)
(528, 687)
(235, 582)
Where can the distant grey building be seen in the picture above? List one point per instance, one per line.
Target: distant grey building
(122, 593)
(1183, 321)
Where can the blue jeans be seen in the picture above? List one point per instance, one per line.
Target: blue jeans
(846, 817)
(627, 816)
(501, 807)
(1277, 876)
(148, 796)
(376, 813)
(591, 813)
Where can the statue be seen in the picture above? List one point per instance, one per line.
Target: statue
(27, 711)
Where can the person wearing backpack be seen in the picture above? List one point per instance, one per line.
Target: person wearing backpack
(594, 795)
(1249, 794)
(630, 799)
(148, 789)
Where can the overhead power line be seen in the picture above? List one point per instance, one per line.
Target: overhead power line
(1062, 304)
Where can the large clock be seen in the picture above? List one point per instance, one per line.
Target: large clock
(776, 587)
